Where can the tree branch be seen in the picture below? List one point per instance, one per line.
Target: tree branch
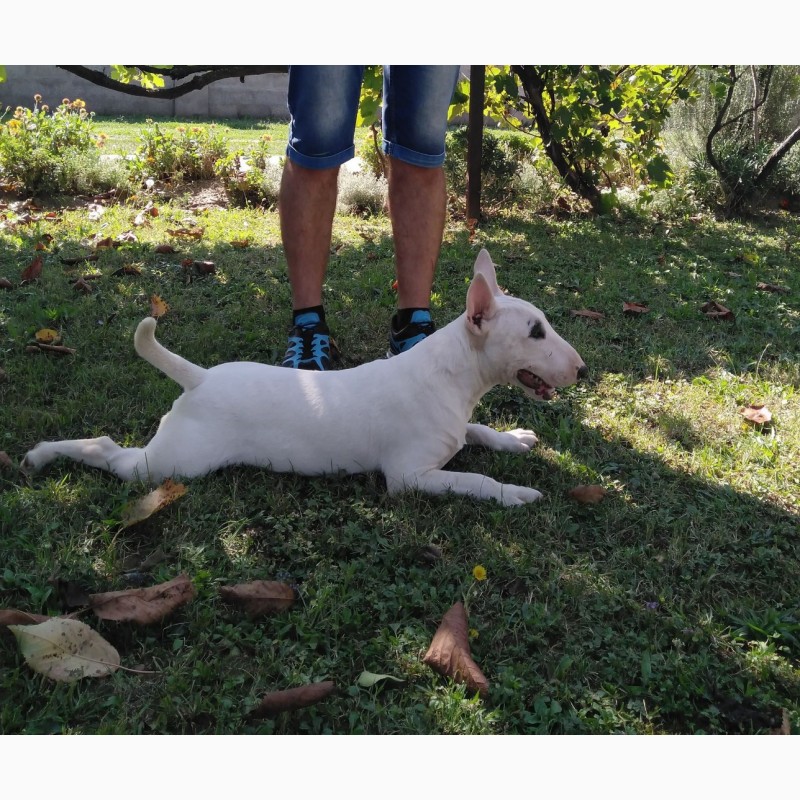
(209, 75)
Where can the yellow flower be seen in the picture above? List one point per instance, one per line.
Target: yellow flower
(473, 634)
(479, 572)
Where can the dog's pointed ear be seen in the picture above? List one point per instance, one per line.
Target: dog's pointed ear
(481, 304)
(485, 267)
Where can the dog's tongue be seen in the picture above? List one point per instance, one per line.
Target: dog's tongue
(534, 382)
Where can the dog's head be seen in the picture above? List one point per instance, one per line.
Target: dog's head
(519, 344)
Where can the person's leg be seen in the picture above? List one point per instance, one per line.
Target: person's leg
(416, 101)
(323, 102)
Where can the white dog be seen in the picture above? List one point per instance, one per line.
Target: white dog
(406, 416)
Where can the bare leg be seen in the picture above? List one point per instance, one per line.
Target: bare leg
(417, 205)
(307, 204)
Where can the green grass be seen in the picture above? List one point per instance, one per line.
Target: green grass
(671, 607)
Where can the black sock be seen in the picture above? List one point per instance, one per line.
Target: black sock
(403, 316)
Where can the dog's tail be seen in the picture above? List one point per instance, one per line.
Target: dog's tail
(173, 366)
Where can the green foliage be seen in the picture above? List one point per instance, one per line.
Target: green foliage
(252, 176)
(502, 159)
(34, 142)
(187, 153)
(147, 80)
(599, 125)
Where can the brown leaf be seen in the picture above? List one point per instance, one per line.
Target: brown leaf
(104, 244)
(144, 606)
(128, 269)
(586, 313)
(157, 306)
(32, 271)
(291, 699)
(634, 309)
(82, 285)
(5, 460)
(771, 287)
(5, 283)
(58, 349)
(39, 246)
(260, 597)
(205, 267)
(152, 211)
(449, 653)
(714, 310)
(187, 233)
(757, 414)
(588, 495)
(154, 501)
(165, 248)
(10, 616)
(240, 244)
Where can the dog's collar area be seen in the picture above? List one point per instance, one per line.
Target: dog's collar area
(535, 383)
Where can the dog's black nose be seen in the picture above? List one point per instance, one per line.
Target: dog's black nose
(583, 372)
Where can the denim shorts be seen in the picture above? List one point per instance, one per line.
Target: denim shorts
(323, 104)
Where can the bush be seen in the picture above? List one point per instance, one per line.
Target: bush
(35, 142)
(253, 177)
(361, 193)
(184, 154)
(501, 165)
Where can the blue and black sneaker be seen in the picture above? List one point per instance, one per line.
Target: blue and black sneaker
(409, 329)
(310, 344)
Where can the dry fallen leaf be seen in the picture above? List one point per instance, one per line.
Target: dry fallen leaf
(771, 287)
(74, 261)
(5, 460)
(588, 495)
(165, 248)
(587, 314)
(240, 244)
(634, 309)
(188, 233)
(260, 597)
(65, 650)
(82, 285)
(128, 269)
(715, 310)
(104, 244)
(11, 616)
(757, 414)
(158, 307)
(144, 606)
(449, 652)
(291, 699)
(5, 283)
(32, 271)
(47, 336)
(154, 501)
(58, 349)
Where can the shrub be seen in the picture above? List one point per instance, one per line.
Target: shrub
(361, 193)
(34, 142)
(501, 165)
(184, 154)
(253, 177)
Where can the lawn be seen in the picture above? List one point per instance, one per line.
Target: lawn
(672, 606)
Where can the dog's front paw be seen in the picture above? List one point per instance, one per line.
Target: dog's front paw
(524, 439)
(511, 495)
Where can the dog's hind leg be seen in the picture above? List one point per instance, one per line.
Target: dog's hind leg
(516, 441)
(438, 481)
(124, 462)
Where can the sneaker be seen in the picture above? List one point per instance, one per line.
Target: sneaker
(420, 327)
(310, 345)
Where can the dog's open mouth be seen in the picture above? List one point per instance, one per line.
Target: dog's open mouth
(535, 383)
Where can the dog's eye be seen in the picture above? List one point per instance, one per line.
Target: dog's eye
(537, 331)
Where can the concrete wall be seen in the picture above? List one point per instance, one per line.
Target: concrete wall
(260, 96)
